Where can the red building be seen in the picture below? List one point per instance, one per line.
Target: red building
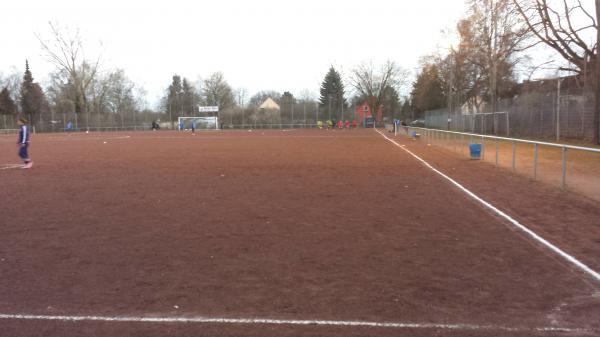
(363, 110)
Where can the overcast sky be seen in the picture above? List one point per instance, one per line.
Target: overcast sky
(258, 45)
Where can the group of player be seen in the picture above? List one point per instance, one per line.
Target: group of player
(331, 124)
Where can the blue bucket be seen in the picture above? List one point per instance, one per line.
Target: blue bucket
(475, 150)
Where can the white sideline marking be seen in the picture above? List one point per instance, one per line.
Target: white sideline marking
(268, 321)
(76, 138)
(186, 137)
(528, 231)
(10, 166)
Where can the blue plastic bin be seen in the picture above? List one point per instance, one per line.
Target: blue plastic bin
(475, 150)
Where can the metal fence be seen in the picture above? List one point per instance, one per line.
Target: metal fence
(568, 166)
(9, 131)
(145, 126)
(59, 122)
(555, 115)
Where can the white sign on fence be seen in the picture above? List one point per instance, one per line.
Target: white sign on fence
(208, 109)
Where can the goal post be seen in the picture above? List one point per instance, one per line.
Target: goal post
(198, 123)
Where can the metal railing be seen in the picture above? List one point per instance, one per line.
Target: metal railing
(8, 131)
(456, 139)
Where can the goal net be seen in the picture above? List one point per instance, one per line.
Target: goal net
(198, 123)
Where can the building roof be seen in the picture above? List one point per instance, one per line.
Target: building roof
(269, 104)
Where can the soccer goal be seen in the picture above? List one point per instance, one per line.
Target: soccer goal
(198, 123)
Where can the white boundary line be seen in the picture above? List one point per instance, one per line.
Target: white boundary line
(10, 166)
(76, 138)
(528, 231)
(219, 138)
(268, 321)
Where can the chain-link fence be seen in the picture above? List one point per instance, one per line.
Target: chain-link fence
(59, 122)
(555, 115)
(303, 115)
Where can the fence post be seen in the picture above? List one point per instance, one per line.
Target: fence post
(535, 160)
(446, 139)
(482, 148)
(457, 143)
(482, 124)
(514, 149)
(564, 168)
(497, 141)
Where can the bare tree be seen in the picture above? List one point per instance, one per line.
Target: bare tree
(308, 100)
(240, 95)
(12, 81)
(58, 96)
(65, 51)
(257, 99)
(8, 107)
(98, 92)
(555, 28)
(498, 34)
(372, 83)
(564, 26)
(216, 91)
(120, 95)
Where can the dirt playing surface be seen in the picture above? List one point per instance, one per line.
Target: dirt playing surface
(284, 225)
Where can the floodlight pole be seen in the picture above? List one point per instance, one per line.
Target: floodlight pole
(180, 104)
(317, 111)
(304, 107)
(558, 80)
(170, 116)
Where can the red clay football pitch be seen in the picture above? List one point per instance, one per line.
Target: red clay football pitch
(286, 233)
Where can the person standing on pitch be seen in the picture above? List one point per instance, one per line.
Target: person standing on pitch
(23, 142)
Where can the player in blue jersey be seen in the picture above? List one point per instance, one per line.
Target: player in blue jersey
(23, 143)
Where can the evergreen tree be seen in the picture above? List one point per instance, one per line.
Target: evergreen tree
(391, 103)
(428, 92)
(332, 102)
(32, 96)
(406, 112)
(174, 98)
(26, 90)
(190, 98)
